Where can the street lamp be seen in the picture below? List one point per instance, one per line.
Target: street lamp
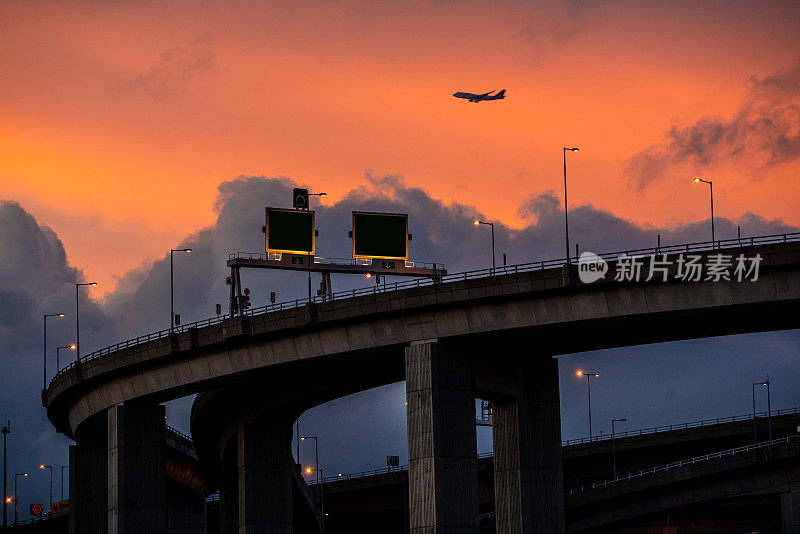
(44, 346)
(58, 354)
(566, 219)
(50, 467)
(171, 292)
(309, 258)
(316, 464)
(16, 494)
(78, 318)
(478, 223)
(613, 448)
(62, 480)
(6, 430)
(711, 190)
(588, 376)
(769, 409)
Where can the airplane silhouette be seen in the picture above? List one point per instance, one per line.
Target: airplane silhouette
(472, 97)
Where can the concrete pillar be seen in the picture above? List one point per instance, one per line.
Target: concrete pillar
(186, 511)
(87, 489)
(228, 509)
(137, 479)
(265, 477)
(790, 513)
(442, 456)
(528, 481)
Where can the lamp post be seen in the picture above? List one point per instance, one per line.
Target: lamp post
(711, 191)
(6, 430)
(589, 394)
(310, 258)
(613, 448)
(78, 318)
(58, 354)
(50, 467)
(316, 465)
(491, 224)
(769, 409)
(62, 480)
(16, 494)
(44, 347)
(566, 218)
(172, 251)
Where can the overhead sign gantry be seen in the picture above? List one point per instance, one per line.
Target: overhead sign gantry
(380, 248)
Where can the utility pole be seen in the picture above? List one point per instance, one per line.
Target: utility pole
(6, 431)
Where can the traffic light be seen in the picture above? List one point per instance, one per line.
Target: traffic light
(272, 297)
(219, 309)
(300, 198)
(177, 319)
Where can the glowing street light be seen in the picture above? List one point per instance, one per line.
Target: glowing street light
(478, 223)
(78, 318)
(58, 354)
(769, 409)
(566, 219)
(44, 347)
(588, 376)
(16, 494)
(50, 467)
(711, 191)
(171, 284)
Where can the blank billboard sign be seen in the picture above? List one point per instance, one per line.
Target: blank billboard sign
(290, 231)
(380, 235)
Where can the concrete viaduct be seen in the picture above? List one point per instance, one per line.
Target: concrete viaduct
(492, 337)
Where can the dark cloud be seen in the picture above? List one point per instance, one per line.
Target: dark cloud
(765, 132)
(654, 384)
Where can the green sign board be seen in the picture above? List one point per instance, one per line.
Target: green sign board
(380, 235)
(290, 231)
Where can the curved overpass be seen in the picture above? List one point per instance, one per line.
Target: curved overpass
(450, 340)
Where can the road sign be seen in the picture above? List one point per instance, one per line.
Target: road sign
(290, 231)
(36, 509)
(380, 235)
(392, 461)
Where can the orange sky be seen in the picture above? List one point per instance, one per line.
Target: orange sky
(119, 119)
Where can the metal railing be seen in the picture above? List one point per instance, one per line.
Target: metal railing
(680, 426)
(421, 282)
(178, 433)
(43, 517)
(680, 463)
(373, 472)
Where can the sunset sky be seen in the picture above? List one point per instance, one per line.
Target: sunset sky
(120, 119)
(131, 127)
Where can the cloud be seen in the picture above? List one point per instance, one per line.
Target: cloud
(655, 384)
(555, 23)
(765, 132)
(175, 67)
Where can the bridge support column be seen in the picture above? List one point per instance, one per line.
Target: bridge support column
(442, 451)
(790, 513)
(137, 480)
(87, 489)
(528, 481)
(229, 491)
(265, 478)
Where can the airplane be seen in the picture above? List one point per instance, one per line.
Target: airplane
(472, 97)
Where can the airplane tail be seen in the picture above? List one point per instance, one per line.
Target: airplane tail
(501, 94)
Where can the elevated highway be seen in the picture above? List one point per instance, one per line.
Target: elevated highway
(491, 336)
